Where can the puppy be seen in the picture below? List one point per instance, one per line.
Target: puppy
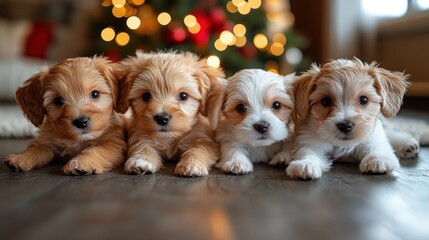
(251, 111)
(166, 93)
(338, 109)
(73, 104)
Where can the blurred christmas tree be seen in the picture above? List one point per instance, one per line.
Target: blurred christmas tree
(233, 34)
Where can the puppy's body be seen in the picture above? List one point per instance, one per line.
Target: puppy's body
(166, 93)
(253, 109)
(338, 109)
(73, 103)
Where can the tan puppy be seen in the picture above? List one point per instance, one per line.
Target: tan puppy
(251, 113)
(338, 107)
(73, 105)
(166, 92)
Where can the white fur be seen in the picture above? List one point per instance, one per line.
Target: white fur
(242, 145)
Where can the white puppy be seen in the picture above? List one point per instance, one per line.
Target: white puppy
(251, 111)
(338, 108)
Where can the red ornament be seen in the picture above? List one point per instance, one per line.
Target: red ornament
(176, 33)
(249, 51)
(218, 17)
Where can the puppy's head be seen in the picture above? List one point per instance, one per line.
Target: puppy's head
(256, 103)
(342, 100)
(76, 97)
(166, 91)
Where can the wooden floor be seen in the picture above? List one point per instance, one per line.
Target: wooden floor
(344, 204)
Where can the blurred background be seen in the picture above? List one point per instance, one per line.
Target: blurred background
(278, 35)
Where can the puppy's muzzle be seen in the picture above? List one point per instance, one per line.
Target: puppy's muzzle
(346, 126)
(81, 122)
(261, 126)
(162, 118)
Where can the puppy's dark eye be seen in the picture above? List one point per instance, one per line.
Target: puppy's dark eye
(326, 102)
(59, 101)
(241, 108)
(95, 94)
(277, 105)
(146, 96)
(363, 100)
(183, 96)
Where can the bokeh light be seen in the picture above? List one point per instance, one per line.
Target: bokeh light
(231, 7)
(239, 30)
(118, 3)
(226, 37)
(279, 38)
(277, 49)
(118, 12)
(108, 34)
(260, 41)
(219, 45)
(190, 21)
(133, 22)
(213, 61)
(122, 39)
(164, 18)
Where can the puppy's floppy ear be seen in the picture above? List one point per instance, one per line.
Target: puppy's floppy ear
(30, 98)
(208, 78)
(214, 102)
(110, 72)
(391, 86)
(303, 86)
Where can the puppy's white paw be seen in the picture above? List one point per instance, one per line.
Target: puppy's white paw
(237, 166)
(408, 150)
(139, 166)
(302, 169)
(281, 159)
(191, 169)
(378, 165)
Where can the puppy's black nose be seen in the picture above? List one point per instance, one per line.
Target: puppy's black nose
(162, 118)
(345, 126)
(81, 122)
(261, 126)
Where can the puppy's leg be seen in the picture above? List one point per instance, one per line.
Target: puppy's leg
(36, 155)
(309, 162)
(284, 157)
(143, 159)
(378, 155)
(234, 160)
(197, 160)
(405, 145)
(98, 159)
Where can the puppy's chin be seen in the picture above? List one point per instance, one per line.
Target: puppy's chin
(254, 139)
(87, 136)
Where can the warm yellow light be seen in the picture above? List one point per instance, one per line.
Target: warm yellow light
(239, 30)
(106, 3)
(240, 41)
(213, 61)
(277, 49)
(108, 34)
(190, 21)
(260, 41)
(164, 18)
(226, 37)
(279, 38)
(244, 8)
(231, 7)
(133, 22)
(118, 12)
(272, 66)
(122, 39)
(138, 2)
(237, 2)
(118, 3)
(255, 4)
(220, 46)
(195, 29)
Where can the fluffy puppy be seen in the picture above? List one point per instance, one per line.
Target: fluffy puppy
(338, 107)
(166, 93)
(251, 113)
(73, 104)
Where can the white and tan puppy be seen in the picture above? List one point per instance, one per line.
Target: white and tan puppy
(338, 109)
(251, 113)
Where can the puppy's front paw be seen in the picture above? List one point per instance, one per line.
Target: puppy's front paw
(408, 150)
(191, 169)
(281, 159)
(139, 166)
(18, 163)
(305, 170)
(237, 166)
(378, 165)
(79, 166)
